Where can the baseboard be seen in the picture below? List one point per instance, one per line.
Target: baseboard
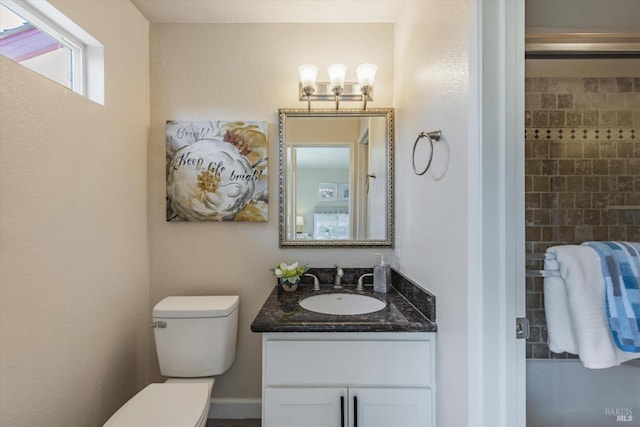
(241, 408)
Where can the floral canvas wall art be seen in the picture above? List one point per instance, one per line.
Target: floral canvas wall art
(217, 171)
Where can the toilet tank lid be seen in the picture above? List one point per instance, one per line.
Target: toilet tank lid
(196, 306)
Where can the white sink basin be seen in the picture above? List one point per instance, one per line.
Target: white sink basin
(346, 304)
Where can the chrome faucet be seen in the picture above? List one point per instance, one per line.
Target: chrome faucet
(337, 283)
(360, 286)
(316, 282)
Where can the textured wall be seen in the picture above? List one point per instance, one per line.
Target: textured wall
(431, 92)
(242, 72)
(74, 282)
(582, 172)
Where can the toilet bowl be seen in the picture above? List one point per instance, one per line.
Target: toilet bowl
(195, 340)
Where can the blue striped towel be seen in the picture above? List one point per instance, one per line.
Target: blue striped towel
(621, 270)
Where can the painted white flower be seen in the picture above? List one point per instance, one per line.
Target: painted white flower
(209, 180)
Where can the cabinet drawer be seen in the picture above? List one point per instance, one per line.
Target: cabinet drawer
(359, 362)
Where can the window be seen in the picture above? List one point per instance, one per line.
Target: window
(38, 36)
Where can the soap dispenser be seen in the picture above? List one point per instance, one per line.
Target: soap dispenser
(381, 276)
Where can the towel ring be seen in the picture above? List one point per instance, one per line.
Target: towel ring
(431, 136)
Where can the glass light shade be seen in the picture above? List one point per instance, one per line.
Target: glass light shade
(366, 74)
(308, 74)
(337, 73)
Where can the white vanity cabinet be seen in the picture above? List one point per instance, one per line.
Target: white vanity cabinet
(352, 406)
(348, 379)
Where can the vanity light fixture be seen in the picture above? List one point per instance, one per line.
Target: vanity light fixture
(337, 73)
(336, 89)
(366, 74)
(308, 75)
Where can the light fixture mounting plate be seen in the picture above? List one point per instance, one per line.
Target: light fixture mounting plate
(351, 92)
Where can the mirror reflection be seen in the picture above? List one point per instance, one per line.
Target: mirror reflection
(336, 177)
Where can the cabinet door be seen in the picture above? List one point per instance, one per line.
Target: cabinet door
(390, 407)
(304, 407)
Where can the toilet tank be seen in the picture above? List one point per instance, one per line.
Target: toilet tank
(196, 335)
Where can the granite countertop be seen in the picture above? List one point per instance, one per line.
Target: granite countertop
(282, 313)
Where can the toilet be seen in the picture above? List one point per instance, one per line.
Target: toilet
(195, 340)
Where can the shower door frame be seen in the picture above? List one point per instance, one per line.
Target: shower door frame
(497, 388)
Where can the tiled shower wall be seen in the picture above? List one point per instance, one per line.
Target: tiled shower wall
(582, 173)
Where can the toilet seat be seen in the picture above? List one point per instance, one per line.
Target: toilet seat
(165, 405)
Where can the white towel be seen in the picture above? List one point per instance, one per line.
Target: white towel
(556, 309)
(581, 272)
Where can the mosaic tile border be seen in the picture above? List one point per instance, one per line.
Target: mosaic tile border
(554, 134)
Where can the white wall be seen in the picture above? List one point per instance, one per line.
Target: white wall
(599, 16)
(430, 92)
(74, 282)
(242, 72)
(563, 393)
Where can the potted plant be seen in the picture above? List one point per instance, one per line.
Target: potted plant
(289, 275)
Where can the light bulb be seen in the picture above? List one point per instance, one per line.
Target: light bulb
(337, 74)
(366, 74)
(308, 74)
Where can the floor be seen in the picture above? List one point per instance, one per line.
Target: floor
(233, 423)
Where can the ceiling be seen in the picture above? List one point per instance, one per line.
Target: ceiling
(270, 11)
